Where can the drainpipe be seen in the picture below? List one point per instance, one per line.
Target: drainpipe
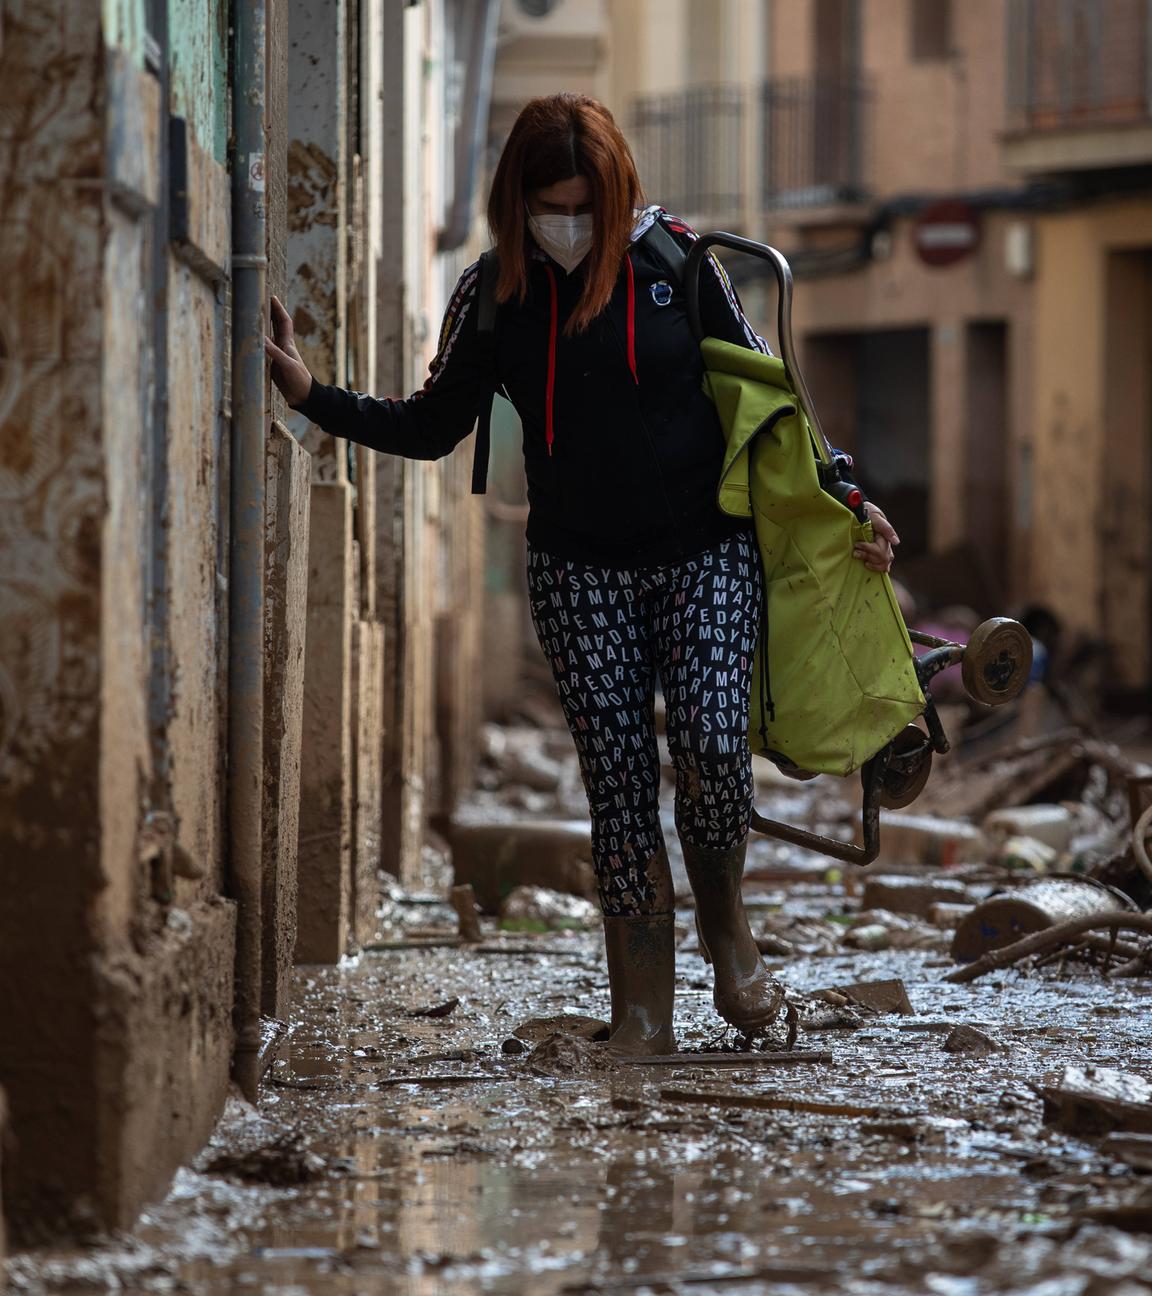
(246, 516)
(474, 113)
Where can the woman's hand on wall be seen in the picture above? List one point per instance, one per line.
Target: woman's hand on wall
(877, 554)
(289, 372)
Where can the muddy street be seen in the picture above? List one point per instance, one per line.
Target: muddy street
(424, 1127)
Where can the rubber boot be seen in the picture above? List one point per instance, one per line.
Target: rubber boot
(641, 953)
(745, 993)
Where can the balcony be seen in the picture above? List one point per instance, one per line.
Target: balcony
(690, 150)
(712, 152)
(1079, 79)
(814, 141)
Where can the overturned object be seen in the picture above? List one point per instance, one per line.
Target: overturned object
(1029, 907)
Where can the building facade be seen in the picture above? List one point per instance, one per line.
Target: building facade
(233, 653)
(963, 192)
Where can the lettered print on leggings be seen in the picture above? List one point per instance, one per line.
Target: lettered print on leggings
(607, 633)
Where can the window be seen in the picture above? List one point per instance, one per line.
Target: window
(931, 29)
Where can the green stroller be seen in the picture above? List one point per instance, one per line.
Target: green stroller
(837, 687)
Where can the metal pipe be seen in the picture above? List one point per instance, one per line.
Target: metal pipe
(472, 132)
(246, 517)
(160, 808)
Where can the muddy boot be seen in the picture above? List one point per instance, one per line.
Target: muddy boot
(746, 994)
(642, 969)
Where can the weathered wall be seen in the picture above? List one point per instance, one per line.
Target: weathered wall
(368, 646)
(115, 978)
(52, 535)
(325, 777)
(287, 505)
(1078, 509)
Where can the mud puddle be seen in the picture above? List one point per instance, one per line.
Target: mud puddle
(409, 1154)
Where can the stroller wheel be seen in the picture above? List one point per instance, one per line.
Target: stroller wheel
(909, 766)
(997, 661)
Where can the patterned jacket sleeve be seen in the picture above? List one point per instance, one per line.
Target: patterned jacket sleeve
(432, 421)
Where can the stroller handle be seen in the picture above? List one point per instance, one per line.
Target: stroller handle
(783, 319)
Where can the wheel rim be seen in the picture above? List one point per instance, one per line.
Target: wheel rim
(997, 661)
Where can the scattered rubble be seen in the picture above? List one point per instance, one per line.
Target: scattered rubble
(497, 857)
(1094, 1101)
(536, 1029)
(283, 1160)
(442, 1009)
(969, 1040)
(564, 1054)
(1134, 1150)
(912, 894)
(1021, 909)
(538, 909)
(877, 929)
(464, 902)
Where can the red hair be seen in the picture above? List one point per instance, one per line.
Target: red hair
(555, 138)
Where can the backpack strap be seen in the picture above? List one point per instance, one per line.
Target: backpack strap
(665, 249)
(486, 333)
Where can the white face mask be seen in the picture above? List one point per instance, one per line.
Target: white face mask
(566, 239)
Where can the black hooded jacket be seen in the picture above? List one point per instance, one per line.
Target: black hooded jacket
(622, 449)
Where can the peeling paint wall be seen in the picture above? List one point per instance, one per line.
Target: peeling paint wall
(115, 982)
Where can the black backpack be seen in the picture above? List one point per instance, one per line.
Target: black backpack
(660, 242)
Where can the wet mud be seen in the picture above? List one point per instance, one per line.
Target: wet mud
(403, 1146)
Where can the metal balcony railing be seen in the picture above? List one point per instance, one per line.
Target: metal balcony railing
(815, 138)
(1078, 63)
(690, 149)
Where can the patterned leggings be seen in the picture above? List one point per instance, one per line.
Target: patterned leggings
(606, 634)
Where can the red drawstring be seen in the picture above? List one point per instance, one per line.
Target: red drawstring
(631, 319)
(549, 435)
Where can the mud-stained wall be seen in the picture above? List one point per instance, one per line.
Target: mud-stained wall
(196, 725)
(287, 497)
(52, 511)
(115, 984)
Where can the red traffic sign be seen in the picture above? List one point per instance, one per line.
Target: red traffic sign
(946, 232)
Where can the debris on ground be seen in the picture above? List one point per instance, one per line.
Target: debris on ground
(1050, 824)
(282, 1161)
(443, 1009)
(1093, 1101)
(968, 1039)
(1016, 911)
(926, 839)
(463, 900)
(1134, 1150)
(539, 909)
(497, 857)
(536, 1029)
(878, 929)
(1078, 935)
(564, 1054)
(913, 894)
(1133, 1215)
(515, 756)
(890, 996)
(454, 1156)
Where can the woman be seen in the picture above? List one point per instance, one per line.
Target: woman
(632, 569)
